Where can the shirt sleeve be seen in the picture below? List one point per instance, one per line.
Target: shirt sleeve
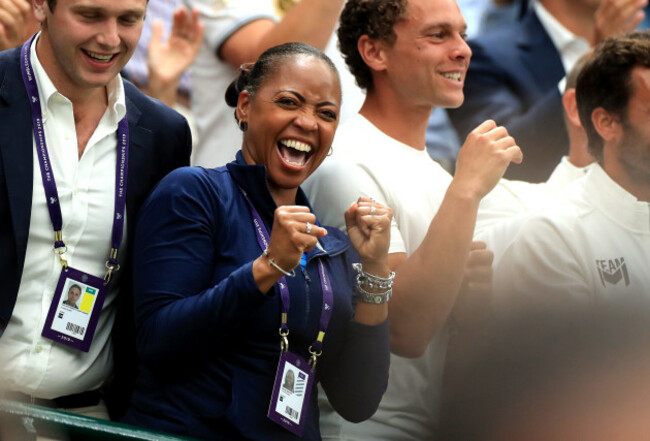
(336, 184)
(223, 18)
(500, 204)
(357, 381)
(356, 376)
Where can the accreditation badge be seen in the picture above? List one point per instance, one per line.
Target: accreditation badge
(294, 380)
(75, 309)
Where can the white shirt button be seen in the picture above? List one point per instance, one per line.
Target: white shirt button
(75, 191)
(38, 349)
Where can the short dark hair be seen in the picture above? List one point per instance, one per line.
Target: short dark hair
(606, 80)
(374, 18)
(252, 76)
(75, 286)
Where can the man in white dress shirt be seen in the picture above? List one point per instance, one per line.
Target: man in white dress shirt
(80, 151)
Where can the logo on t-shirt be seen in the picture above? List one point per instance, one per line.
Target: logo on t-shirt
(612, 271)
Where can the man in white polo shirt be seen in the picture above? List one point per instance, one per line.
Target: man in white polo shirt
(594, 243)
(80, 150)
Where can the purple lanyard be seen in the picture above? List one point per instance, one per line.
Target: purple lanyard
(328, 297)
(47, 174)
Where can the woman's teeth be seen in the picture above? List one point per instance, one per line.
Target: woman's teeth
(294, 152)
(291, 143)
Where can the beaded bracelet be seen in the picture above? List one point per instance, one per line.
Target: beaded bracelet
(372, 281)
(292, 273)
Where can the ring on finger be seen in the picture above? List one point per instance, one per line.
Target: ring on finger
(308, 231)
(373, 210)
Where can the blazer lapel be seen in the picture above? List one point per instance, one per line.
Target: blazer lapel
(538, 53)
(16, 149)
(140, 167)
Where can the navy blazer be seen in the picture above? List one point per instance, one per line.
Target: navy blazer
(513, 79)
(160, 141)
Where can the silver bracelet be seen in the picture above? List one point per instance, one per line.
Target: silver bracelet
(374, 298)
(372, 281)
(276, 266)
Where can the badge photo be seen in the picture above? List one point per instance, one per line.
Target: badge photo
(291, 392)
(75, 309)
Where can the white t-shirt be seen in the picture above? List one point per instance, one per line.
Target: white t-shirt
(593, 244)
(219, 136)
(367, 162)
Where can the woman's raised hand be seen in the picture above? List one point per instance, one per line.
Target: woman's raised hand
(368, 225)
(294, 233)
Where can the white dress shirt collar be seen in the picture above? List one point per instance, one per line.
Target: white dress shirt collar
(616, 203)
(570, 46)
(32, 364)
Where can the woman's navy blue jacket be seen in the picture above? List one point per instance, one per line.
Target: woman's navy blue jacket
(208, 338)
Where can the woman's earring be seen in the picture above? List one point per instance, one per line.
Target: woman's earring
(243, 125)
(331, 151)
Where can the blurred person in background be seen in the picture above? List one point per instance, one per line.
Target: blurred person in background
(517, 74)
(557, 373)
(17, 23)
(170, 41)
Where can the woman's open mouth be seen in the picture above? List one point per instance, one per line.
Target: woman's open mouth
(294, 152)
